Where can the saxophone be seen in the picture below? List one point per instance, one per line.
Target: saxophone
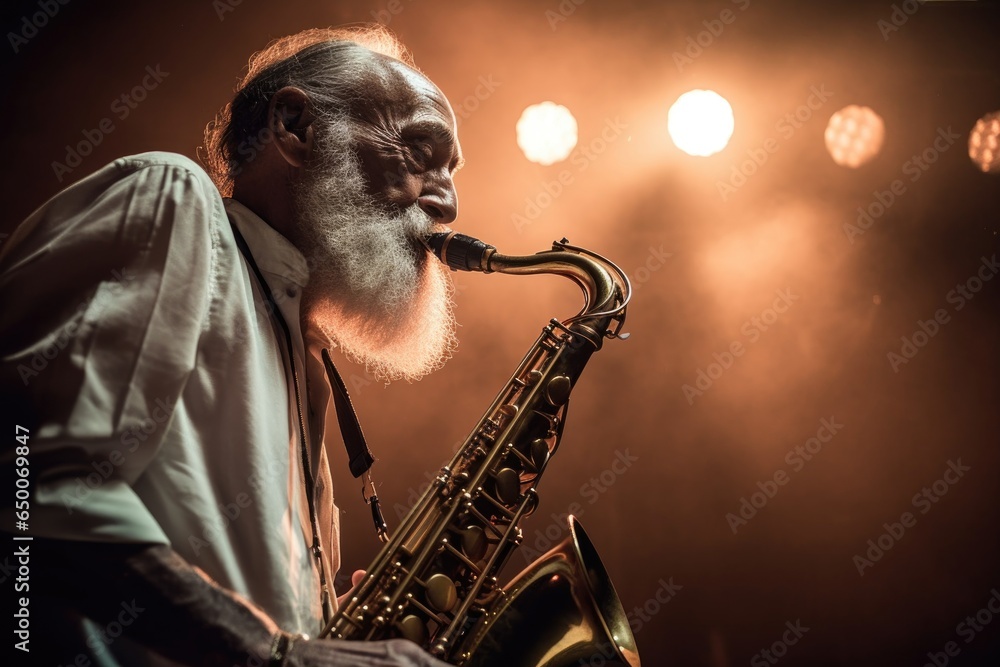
(435, 581)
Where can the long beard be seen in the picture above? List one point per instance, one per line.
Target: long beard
(373, 290)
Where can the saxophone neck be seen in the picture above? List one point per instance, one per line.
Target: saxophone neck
(606, 288)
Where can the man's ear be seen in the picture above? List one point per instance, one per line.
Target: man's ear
(290, 119)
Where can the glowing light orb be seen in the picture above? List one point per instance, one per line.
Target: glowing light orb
(983, 143)
(854, 136)
(546, 132)
(701, 122)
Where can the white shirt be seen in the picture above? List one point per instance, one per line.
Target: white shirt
(136, 340)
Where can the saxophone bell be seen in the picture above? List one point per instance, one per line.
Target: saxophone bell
(560, 611)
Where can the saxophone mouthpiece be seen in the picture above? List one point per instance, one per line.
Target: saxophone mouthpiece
(460, 252)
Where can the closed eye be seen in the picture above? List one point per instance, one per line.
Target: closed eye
(418, 154)
(423, 150)
(433, 141)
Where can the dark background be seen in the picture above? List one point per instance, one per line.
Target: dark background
(664, 518)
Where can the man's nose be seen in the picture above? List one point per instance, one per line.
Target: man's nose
(440, 203)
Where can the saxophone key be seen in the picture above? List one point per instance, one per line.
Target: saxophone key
(508, 486)
(539, 453)
(413, 628)
(558, 389)
(474, 542)
(508, 410)
(441, 592)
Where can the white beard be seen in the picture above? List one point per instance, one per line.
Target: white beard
(373, 290)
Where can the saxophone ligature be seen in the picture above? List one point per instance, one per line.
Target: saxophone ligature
(435, 581)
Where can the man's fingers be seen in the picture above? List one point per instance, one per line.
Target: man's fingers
(409, 654)
(335, 653)
(355, 580)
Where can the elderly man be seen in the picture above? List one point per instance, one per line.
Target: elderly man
(162, 345)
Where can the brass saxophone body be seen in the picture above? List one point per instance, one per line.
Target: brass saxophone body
(435, 580)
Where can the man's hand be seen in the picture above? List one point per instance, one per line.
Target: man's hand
(331, 653)
(186, 617)
(395, 652)
(355, 580)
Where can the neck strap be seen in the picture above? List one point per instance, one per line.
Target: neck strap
(359, 456)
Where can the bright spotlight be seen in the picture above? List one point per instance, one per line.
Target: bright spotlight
(546, 132)
(700, 122)
(854, 136)
(983, 143)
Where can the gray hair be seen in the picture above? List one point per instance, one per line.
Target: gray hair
(331, 65)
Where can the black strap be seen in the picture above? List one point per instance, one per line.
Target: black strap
(359, 456)
(272, 307)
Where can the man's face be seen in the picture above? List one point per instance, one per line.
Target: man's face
(407, 144)
(379, 182)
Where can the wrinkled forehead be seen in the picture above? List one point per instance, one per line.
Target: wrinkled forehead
(401, 93)
(426, 94)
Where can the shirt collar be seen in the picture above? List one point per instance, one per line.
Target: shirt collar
(273, 252)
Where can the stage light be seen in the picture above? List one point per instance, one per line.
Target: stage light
(984, 143)
(854, 136)
(546, 132)
(700, 122)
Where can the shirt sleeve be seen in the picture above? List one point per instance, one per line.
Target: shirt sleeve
(105, 289)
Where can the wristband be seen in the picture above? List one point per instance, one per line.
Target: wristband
(281, 646)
